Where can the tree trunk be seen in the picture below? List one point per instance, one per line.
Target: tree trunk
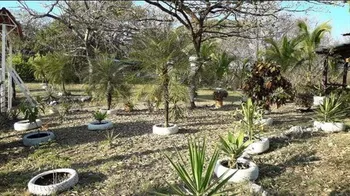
(13, 89)
(325, 73)
(345, 74)
(165, 75)
(64, 88)
(109, 100)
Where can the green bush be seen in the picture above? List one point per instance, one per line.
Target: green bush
(266, 86)
(23, 68)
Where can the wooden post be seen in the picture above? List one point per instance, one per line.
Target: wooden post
(345, 74)
(325, 73)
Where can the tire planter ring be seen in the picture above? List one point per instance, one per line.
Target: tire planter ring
(241, 175)
(259, 146)
(24, 125)
(53, 188)
(28, 141)
(330, 127)
(160, 130)
(95, 126)
(318, 100)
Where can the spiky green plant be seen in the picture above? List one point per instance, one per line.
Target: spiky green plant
(199, 181)
(251, 115)
(100, 116)
(332, 109)
(111, 137)
(233, 147)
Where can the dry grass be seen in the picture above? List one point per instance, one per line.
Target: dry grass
(305, 165)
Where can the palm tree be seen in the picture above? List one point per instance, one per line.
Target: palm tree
(284, 52)
(39, 63)
(108, 78)
(161, 56)
(311, 40)
(59, 69)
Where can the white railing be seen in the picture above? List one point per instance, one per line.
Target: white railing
(21, 85)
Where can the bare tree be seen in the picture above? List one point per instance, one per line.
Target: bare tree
(99, 25)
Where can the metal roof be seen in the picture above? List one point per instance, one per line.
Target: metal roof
(7, 18)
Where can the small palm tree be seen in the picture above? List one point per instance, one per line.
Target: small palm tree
(108, 78)
(311, 40)
(39, 63)
(285, 52)
(59, 69)
(161, 56)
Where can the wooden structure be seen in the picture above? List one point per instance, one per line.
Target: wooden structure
(8, 75)
(341, 51)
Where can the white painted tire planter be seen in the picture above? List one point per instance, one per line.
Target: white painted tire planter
(30, 140)
(105, 125)
(54, 188)
(249, 174)
(24, 125)
(109, 112)
(318, 100)
(330, 127)
(259, 146)
(160, 130)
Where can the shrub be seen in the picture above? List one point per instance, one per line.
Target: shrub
(304, 100)
(267, 86)
(219, 94)
(23, 68)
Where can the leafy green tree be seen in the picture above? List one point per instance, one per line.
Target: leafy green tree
(108, 78)
(23, 68)
(311, 40)
(162, 58)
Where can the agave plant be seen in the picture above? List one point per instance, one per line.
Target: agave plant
(198, 182)
(100, 116)
(332, 109)
(233, 147)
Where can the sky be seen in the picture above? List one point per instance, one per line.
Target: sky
(338, 17)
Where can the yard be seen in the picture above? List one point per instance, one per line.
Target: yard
(306, 164)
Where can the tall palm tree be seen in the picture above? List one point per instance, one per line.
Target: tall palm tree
(108, 78)
(311, 40)
(162, 58)
(285, 52)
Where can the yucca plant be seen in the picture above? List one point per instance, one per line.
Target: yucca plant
(251, 114)
(100, 116)
(198, 182)
(332, 109)
(233, 147)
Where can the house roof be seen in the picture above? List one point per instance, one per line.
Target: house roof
(342, 50)
(7, 18)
